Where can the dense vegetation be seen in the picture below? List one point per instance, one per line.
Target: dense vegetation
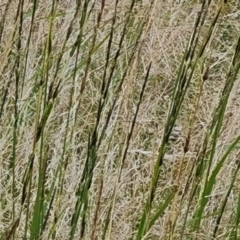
(119, 119)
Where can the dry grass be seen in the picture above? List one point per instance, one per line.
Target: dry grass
(106, 164)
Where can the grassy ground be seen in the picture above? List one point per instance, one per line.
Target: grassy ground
(119, 119)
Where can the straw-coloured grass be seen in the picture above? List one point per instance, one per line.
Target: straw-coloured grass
(119, 119)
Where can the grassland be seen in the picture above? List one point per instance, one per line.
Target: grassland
(119, 119)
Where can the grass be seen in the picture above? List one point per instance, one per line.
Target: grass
(119, 120)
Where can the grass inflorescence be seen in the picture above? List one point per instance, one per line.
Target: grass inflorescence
(119, 119)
